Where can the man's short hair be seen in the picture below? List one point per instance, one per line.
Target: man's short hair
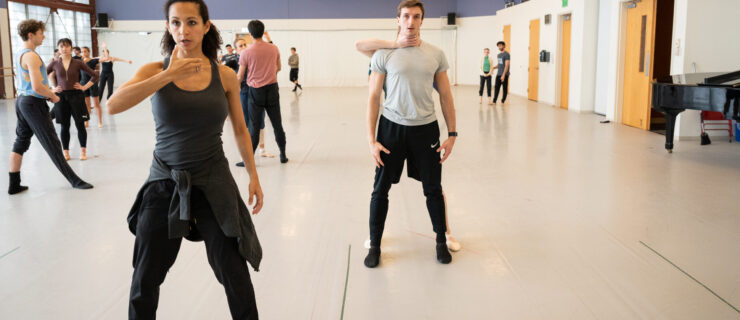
(411, 4)
(486, 49)
(256, 29)
(501, 43)
(228, 45)
(76, 48)
(29, 26)
(64, 41)
(293, 48)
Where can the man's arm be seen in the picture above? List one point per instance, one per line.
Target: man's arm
(369, 46)
(279, 64)
(506, 69)
(241, 72)
(373, 108)
(448, 111)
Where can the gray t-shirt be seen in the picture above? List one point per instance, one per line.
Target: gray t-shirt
(409, 79)
(502, 58)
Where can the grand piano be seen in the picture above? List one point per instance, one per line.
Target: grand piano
(696, 91)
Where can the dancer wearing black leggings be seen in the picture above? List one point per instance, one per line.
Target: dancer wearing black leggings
(192, 97)
(66, 83)
(33, 112)
(106, 73)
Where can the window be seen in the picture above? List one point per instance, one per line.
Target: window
(63, 23)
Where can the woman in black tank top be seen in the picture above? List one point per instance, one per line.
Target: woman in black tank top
(190, 191)
(106, 72)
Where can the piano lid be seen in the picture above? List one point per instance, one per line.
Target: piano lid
(729, 79)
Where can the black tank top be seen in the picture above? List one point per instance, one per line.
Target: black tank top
(106, 67)
(189, 124)
(84, 77)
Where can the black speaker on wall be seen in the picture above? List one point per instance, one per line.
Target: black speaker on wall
(451, 18)
(101, 20)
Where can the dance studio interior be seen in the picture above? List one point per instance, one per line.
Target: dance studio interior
(241, 159)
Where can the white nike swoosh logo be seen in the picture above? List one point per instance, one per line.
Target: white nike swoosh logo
(435, 144)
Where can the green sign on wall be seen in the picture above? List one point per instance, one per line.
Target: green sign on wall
(565, 3)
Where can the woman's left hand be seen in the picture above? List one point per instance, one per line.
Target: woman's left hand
(255, 195)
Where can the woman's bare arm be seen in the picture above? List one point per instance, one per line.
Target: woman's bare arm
(150, 78)
(241, 134)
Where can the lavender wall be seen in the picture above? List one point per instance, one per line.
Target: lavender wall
(298, 9)
(275, 9)
(3, 4)
(475, 8)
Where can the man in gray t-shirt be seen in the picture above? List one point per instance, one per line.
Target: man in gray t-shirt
(408, 131)
(409, 74)
(502, 76)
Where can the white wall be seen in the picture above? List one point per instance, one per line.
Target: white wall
(7, 51)
(602, 57)
(705, 31)
(325, 46)
(479, 32)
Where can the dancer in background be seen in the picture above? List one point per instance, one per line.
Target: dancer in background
(230, 59)
(502, 76)
(65, 78)
(241, 45)
(33, 112)
(192, 97)
(106, 72)
(485, 76)
(293, 63)
(56, 56)
(262, 60)
(77, 53)
(91, 95)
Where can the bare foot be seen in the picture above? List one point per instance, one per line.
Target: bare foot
(66, 155)
(83, 154)
(100, 124)
(266, 154)
(481, 100)
(87, 124)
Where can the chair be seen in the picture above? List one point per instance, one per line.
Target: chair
(712, 118)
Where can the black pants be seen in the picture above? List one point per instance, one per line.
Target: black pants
(293, 74)
(33, 118)
(487, 81)
(71, 107)
(106, 78)
(416, 145)
(500, 83)
(155, 253)
(261, 100)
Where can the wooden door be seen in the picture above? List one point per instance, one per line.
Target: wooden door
(507, 37)
(637, 64)
(534, 59)
(565, 63)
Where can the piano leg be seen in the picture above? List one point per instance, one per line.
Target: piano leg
(670, 126)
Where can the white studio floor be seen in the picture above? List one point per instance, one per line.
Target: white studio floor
(559, 217)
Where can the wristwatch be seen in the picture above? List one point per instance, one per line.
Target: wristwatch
(452, 134)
